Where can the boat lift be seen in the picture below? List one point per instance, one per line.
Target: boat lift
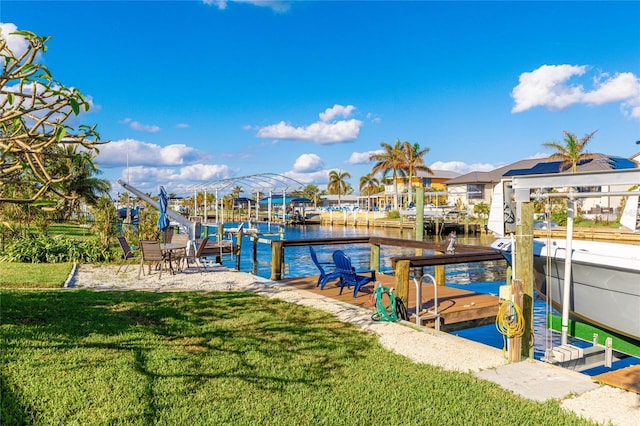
(192, 228)
(522, 187)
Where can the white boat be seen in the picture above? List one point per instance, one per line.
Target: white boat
(605, 280)
(603, 277)
(430, 211)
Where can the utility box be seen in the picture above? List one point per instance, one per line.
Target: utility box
(505, 292)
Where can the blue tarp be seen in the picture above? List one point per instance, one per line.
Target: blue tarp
(287, 200)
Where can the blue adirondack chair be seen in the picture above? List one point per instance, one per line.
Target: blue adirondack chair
(324, 277)
(348, 274)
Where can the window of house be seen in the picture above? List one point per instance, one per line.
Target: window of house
(475, 191)
(589, 189)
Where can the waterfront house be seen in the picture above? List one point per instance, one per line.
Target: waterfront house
(436, 182)
(476, 187)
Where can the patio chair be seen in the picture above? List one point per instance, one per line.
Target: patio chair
(348, 274)
(179, 255)
(151, 254)
(197, 256)
(324, 276)
(127, 253)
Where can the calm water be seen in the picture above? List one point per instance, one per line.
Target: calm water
(482, 277)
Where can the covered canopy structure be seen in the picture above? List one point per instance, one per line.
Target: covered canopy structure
(274, 186)
(285, 200)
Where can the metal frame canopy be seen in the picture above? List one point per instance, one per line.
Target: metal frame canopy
(262, 182)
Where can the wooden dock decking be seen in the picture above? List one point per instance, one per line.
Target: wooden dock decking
(625, 378)
(458, 308)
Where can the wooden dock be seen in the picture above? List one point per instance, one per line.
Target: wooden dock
(458, 308)
(625, 378)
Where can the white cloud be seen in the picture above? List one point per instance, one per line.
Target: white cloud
(374, 118)
(16, 43)
(336, 111)
(622, 87)
(546, 87)
(317, 177)
(362, 157)
(538, 155)
(307, 163)
(136, 125)
(618, 88)
(179, 181)
(549, 86)
(275, 5)
(202, 173)
(318, 132)
(460, 167)
(115, 153)
(182, 126)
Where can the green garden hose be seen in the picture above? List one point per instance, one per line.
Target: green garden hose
(384, 312)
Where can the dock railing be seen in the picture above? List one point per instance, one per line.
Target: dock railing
(403, 266)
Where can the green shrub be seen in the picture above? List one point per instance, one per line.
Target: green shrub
(44, 249)
(393, 214)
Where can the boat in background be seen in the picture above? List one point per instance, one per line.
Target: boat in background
(604, 277)
(430, 211)
(605, 280)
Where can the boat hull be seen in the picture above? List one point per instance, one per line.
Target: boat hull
(605, 281)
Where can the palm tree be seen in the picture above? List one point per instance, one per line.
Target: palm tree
(414, 157)
(369, 185)
(572, 152)
(311, 192)
(337, 183)
(391, 160)
(81, 184)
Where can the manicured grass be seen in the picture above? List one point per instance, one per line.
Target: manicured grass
(135, 358)
(33, 275)
(70, 230)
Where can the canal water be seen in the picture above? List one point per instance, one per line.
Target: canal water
(481, 277)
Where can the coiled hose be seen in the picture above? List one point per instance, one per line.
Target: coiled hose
(384, 312)
(509, 321)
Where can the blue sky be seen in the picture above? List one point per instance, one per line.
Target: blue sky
(197, 91)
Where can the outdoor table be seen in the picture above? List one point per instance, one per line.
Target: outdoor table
(170, 250)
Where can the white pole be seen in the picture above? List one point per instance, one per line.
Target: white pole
(205, 206)
(283, 207)
(566, 295)
(257, 207)
(217, 209)
(195, 202)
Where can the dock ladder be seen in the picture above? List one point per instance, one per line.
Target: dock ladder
(431, 313)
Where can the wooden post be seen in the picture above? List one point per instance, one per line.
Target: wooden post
(220, 233)
(420, 214)
(515, 343)
(402, 281)
(255, 255)
(238, 248)
(374, 262)
(439, 272)
(524, 271)
(277, 259)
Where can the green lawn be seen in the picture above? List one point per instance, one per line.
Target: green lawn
(33, 275)
(70, 230)
(78, 357)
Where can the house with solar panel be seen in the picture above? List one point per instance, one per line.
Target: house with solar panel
(476, 187)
